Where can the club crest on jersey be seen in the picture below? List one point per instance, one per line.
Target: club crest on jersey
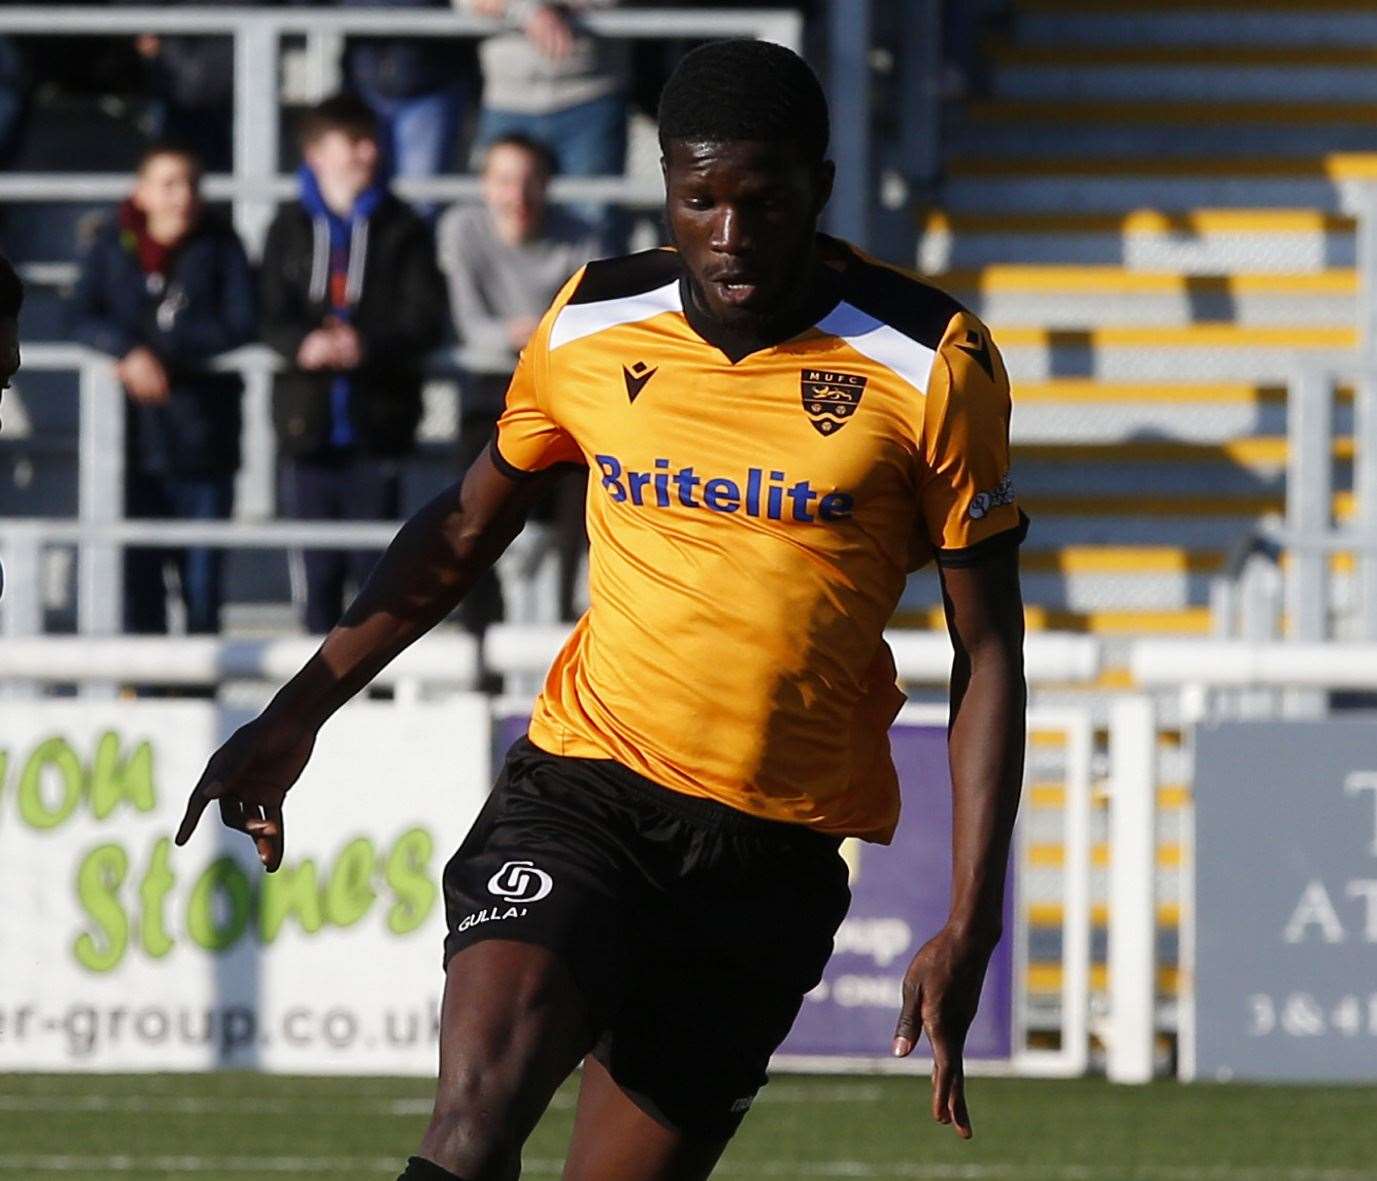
(830, 398)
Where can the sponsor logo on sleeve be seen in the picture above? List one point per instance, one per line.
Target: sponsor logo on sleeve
(983, 502)
(521, 882)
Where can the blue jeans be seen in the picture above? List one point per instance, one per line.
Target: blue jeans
(587, 140)
(337, 486)
(175, 498)
(420, 135)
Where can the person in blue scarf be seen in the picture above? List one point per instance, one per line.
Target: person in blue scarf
(352, 299)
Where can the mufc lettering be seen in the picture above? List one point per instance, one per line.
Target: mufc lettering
(830, 398)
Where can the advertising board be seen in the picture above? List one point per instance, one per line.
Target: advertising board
(1286, 901)
(121, 952)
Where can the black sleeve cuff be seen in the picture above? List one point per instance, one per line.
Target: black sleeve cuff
(510, 470)
(973, 555)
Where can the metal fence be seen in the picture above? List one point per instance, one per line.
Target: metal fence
(255, 186)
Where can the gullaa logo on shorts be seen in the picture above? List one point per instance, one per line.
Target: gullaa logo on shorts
(520, 881)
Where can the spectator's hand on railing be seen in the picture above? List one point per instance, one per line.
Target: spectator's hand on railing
(495, 8)
(316, 350)
(250, 775)
(143, 375)
(548, 28)
(346, 344)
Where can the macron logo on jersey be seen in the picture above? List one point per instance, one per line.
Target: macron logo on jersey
(761, 494)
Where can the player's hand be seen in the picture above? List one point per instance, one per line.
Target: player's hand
(250, 775)
(143, 375)
(941, 992)
(549, 30)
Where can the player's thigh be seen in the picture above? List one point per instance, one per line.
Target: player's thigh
(513, 1025)
(615, 1140)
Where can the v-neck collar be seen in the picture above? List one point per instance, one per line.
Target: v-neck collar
(824, 295)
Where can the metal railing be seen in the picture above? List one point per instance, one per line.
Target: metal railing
(255, 186)
(1252, 601)
(100, 532)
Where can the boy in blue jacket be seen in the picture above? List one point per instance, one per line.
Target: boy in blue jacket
(164, 287)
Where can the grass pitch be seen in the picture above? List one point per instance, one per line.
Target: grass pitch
(243, 1127)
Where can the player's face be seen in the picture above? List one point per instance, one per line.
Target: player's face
(743, 216)
(514, 184)
(168, 190)
(9, 351)
(343, 163)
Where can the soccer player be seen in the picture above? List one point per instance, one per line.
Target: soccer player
(777, 429)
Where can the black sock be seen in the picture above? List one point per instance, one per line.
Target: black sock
(418, 1169)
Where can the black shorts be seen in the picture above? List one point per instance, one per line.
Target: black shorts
(693, 930)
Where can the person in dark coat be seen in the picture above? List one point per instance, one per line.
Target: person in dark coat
(164, 286)
(352, 300)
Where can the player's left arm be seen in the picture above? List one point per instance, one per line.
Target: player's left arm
(975, 526)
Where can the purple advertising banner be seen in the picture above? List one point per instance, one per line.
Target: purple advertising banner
(899, 899)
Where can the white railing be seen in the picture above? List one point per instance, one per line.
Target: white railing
(255, 186)
(100, 529)
(1202, 675)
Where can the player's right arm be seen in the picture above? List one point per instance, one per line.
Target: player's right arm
(434, 560)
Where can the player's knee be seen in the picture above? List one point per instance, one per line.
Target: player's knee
(472, 1130)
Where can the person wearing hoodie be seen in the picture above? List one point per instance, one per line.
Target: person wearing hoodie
(163, 287)
(352, 300)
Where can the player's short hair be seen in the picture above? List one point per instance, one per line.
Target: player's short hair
(169, 147)
(11, 290)
(525, 143)
(745, 90)
(340, 112)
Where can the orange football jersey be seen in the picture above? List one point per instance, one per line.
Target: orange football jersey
(752, 520)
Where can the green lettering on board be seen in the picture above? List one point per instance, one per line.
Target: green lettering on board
(99, 878)
(222, 876)
(33, 808)
(113, 780)
(408, 873)
(293, 891)
(350, 893)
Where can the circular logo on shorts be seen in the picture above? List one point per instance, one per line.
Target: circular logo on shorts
(520, 881)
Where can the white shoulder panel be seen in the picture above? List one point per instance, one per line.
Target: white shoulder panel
(881, 343)
(578, 320)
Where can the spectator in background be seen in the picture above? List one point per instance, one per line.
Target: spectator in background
(163, 287)
(15, 86)
(192, 80)
(505, 261)
(419, 88)
(556, 83)
(352, 300)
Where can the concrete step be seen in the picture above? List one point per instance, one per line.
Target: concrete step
(1185, 621)
(1193, 242)
(1272, 23)
(1180, 73)
(1081, 411)
(1207, 352)
(1036, 127)
(1073, 296)
(1199, 141)
(1331, 182)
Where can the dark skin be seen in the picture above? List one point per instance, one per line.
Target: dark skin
(744, 217)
